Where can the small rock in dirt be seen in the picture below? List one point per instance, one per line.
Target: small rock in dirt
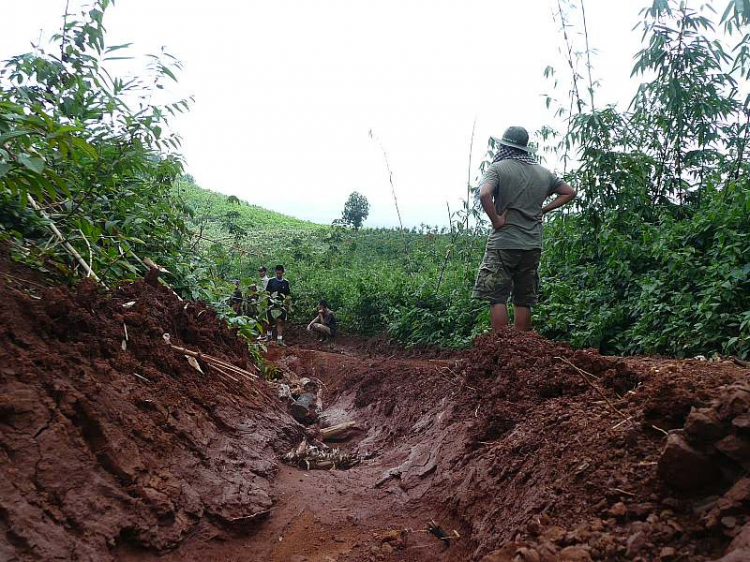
(729, 522)
(395, 538)
(742, 540)
(635, 543)
(667, 553)
(303, 409)
(386, 548)
(742, 423)
(742, 555)
(528, 554)
(502, 555)
(683, 467)
(554, 534)
(736, 448)
(734, 401)
(534, 527)
(703, 425)
(575, 554)
(619, 510)
(641, 510)
(738, 494)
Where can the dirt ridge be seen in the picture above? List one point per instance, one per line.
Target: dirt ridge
(110, 441)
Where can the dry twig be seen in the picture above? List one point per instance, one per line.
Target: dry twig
(583, 374)
(215, 361)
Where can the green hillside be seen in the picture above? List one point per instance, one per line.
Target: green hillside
(221, 214)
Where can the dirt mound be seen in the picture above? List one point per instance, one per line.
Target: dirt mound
(110, 439)
(576, 460)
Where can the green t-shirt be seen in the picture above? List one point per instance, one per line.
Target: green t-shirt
(522, 189)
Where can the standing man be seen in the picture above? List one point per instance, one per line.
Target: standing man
(237, 297)
(512, 193)
(264, 324)
(263, 274)
(279, 301)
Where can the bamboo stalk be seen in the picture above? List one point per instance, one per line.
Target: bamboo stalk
(91, 252)
(393, 190)
(225, 373)
(468, 175)
(215, 360)
(70, 249)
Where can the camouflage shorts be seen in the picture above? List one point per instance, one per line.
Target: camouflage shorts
(509, 272)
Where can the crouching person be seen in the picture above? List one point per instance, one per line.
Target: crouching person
(324, 324)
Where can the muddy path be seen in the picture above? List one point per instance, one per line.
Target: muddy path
(532, 466)
(355, 514)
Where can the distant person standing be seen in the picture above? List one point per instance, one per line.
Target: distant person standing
(279, 301)
(252, 297)
(237, 297)
(324, 324)
(264, 279)
(512, 193)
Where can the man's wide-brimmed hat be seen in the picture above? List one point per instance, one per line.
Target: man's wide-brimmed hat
(515, 137)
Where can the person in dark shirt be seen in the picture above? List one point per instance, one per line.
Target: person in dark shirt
(237, 297)
(252, 297)
(324, 324)
(279, 301)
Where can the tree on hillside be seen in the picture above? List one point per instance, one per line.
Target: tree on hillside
(356, 210)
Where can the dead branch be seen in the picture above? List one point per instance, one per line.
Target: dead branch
(660, 429)
(26, 281)
(70, 249)
(583, 374)
(214, 361)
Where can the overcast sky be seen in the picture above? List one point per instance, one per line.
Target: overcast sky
(286, 91)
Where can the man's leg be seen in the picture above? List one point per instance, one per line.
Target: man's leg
(494, 284)
(499, 316)
(525, 289)
(322, 328)
(522, 318)
(279, 328)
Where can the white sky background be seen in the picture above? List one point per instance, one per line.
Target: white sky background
(287, 90)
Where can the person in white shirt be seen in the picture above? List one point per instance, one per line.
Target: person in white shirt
(264, 279)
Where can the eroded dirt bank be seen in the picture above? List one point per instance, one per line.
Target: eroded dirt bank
(110, 441)
(518, 449)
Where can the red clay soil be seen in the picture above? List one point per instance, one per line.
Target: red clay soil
(529, 458)
(519, 449)
(107, 446)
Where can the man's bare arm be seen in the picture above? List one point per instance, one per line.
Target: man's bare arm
(485, 197)
(565, 194)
